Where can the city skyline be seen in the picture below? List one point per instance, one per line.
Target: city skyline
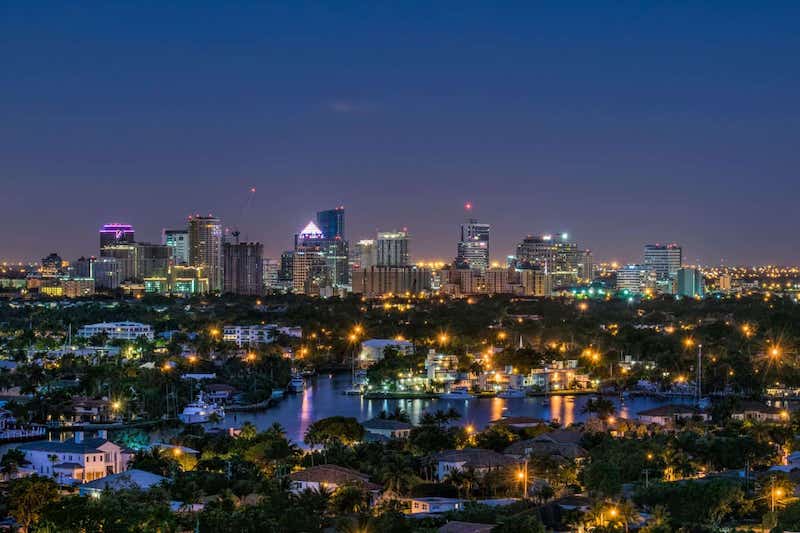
(547, 118)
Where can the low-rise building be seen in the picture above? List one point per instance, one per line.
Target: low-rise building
(669, 415)
(393, 429)
(126, 331)
(75, 460)
(759, 412)
(372, 350)
(477, 459)
(249, 335)
(433, 505)
(329, 477)
(127, 480)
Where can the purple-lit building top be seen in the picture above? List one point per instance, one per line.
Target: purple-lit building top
(116, 233)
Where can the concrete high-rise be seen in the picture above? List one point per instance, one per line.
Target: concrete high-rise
(178, 240)
(392, 249)
(663, 259)
(364, 254)
(473, 246)
(243, 268)
(205, 248)
(690, 283)
(139, 260)
(116, 233)
(556, 255)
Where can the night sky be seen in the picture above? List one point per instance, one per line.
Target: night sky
(621, 123)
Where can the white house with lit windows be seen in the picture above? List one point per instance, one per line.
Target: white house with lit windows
(76, 460)
(126, 331)
(249, 335)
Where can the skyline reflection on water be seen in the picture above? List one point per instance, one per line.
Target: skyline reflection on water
(324, 396)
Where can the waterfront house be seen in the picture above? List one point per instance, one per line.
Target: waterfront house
(330, 477)
(372, 350)
(759, 412)
(669, 415)
(479, 460)
(393, 429)
(81, 410)
(75, 460)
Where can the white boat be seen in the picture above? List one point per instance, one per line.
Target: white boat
(200, 411)
(511, 392)
(277, 394)
(354, 391)
(456, 393)
(296, 384)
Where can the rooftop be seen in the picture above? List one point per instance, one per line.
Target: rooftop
(130, 479)
(671, 410)
(67, 446)
(333, 474)
(476, 458)
(383, 423)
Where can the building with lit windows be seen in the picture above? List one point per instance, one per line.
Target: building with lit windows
(249, 335)
(392, 249)
(377, 281)
(554, 254)
(205, 248)
(178, 240)
(126, 331)
(634, 279)
(473, 245)
(116, 233)
(663, 259)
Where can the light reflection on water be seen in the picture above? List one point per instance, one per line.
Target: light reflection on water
(323, 397)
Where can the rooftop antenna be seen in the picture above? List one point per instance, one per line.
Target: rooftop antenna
(243, 214)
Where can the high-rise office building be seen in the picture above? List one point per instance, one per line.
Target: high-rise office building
(331, 223)
(52, 265)
(473, 246)
(663, 259)
(556, 255)
(312, 240)
(116, 233)
(690, 283)
(178, 240)
(139, 260)
(205, 248)
(377, 281)
(364, 254)
(585, 265)
(106, 273)
(243, 268)
(392, 249)
(634, 279)
(270, 272)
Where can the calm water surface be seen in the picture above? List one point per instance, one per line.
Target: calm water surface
(324, 396)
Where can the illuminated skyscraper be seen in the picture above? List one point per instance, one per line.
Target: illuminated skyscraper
(473, 246)
(556, 255)
(663, 259)
(690, 282)
(115, 233)
(331, 223)
(178, 240)
(392, 249)
(205, 248)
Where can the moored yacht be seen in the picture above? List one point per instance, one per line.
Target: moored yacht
(200, 411)
(456, 393)
(296, 384)
(511, 392)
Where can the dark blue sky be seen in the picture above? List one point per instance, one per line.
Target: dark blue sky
(621, 123)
